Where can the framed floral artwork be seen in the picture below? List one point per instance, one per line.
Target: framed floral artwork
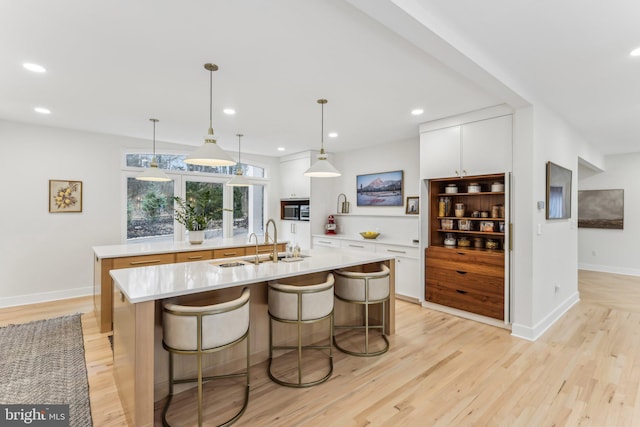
(65, 196)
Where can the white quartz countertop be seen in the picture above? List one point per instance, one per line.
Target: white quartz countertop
(383, 240)
(151, 248)
(169, 280)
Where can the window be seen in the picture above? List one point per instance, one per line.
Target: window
(238, 211)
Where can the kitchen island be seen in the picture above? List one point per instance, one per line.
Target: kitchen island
(140, 363)
(112, 257)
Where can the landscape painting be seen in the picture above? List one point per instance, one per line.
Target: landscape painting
(380, 189)
(601, 209)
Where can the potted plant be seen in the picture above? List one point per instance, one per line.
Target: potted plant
(194, 217)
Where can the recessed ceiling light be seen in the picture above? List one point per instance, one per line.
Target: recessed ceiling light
(42, 110)
(229, 111)
(635, 52)
(417, 111)
(333, 134)
(280, 148)
(34, 67)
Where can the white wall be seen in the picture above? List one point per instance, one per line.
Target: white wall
(390, 221)
(616, 251)
(46, 256)
(552, 287)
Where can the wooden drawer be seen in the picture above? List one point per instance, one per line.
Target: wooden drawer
(467, 282)
(460, 255)
(143, 260)
(264, 249)
(228, 253)
(193, 256)
(463, 267)
(485, 304)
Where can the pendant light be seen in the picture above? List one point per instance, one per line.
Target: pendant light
(239, 180)
(322, 168)
(153, 173)
(209, 153)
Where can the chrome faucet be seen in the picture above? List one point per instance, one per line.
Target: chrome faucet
(254, 235)
(275, 238)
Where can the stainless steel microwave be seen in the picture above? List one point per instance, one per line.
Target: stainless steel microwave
(291, 212)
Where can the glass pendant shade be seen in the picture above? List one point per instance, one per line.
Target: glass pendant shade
(153, 173)
(209, 153)
(322, 168)
(239, 180)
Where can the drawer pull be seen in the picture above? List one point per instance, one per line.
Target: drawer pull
(460, 291)
(461, 253)
(324, 241)
(121, 297)
(356, 246)
(229, 253)
(461, 272)
(151, 261)
(195, 257)
(396, 252)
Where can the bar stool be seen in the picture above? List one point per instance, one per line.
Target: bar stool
(363, 288)
(300, 305)
(202, 330)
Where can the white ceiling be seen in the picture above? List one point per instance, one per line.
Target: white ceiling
(113, 65)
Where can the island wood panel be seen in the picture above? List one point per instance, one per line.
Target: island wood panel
(103, 284)
(138, 352)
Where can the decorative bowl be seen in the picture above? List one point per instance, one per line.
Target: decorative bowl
(369, 234)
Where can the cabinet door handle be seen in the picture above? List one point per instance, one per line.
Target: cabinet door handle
(396, 252)
(195, 257)
(324, 241)
(461, 272)
(356, 246)
(460, 291)
(151, 261)
(121, 296)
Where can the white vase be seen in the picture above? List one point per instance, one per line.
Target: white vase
(196, 237)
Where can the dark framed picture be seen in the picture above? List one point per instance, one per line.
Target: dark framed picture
(65, 196)
(601, 209)
(380, 189)
(413, 205)
(558, 192)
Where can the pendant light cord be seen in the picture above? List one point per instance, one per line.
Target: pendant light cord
(210, 99)
(322, 127)
(154, 138)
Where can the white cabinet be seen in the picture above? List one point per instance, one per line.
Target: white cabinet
(407, 270)
(295, 232)
(476, 148)
(325, 242)
(293, 183)
(355, 245)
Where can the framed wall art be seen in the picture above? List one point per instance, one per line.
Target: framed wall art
(413, 205)
(601, 209)
(558, 192)
(380, 189)
(65, 196)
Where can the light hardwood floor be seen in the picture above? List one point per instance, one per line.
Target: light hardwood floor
(441, 370)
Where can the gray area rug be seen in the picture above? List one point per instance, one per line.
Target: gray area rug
(43, 362)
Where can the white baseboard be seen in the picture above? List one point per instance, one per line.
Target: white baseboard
(533, 333)
(609, 269)
(45, 297)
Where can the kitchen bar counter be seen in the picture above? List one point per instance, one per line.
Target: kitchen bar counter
(140, 363)
(113, 257)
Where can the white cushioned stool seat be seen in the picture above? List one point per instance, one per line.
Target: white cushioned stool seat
(364, 288)
(300, 304)
(198, 330)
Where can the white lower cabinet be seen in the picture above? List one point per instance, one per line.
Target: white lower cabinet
(407, 270)
(407, 261)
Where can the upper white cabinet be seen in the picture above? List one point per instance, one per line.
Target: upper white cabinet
(293, 183)
(466, 145)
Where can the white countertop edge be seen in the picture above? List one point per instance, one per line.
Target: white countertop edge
(154, 248)
(151, 283)
(380, 240)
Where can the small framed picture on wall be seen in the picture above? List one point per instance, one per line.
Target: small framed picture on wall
(65, 196)
(413, 205)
